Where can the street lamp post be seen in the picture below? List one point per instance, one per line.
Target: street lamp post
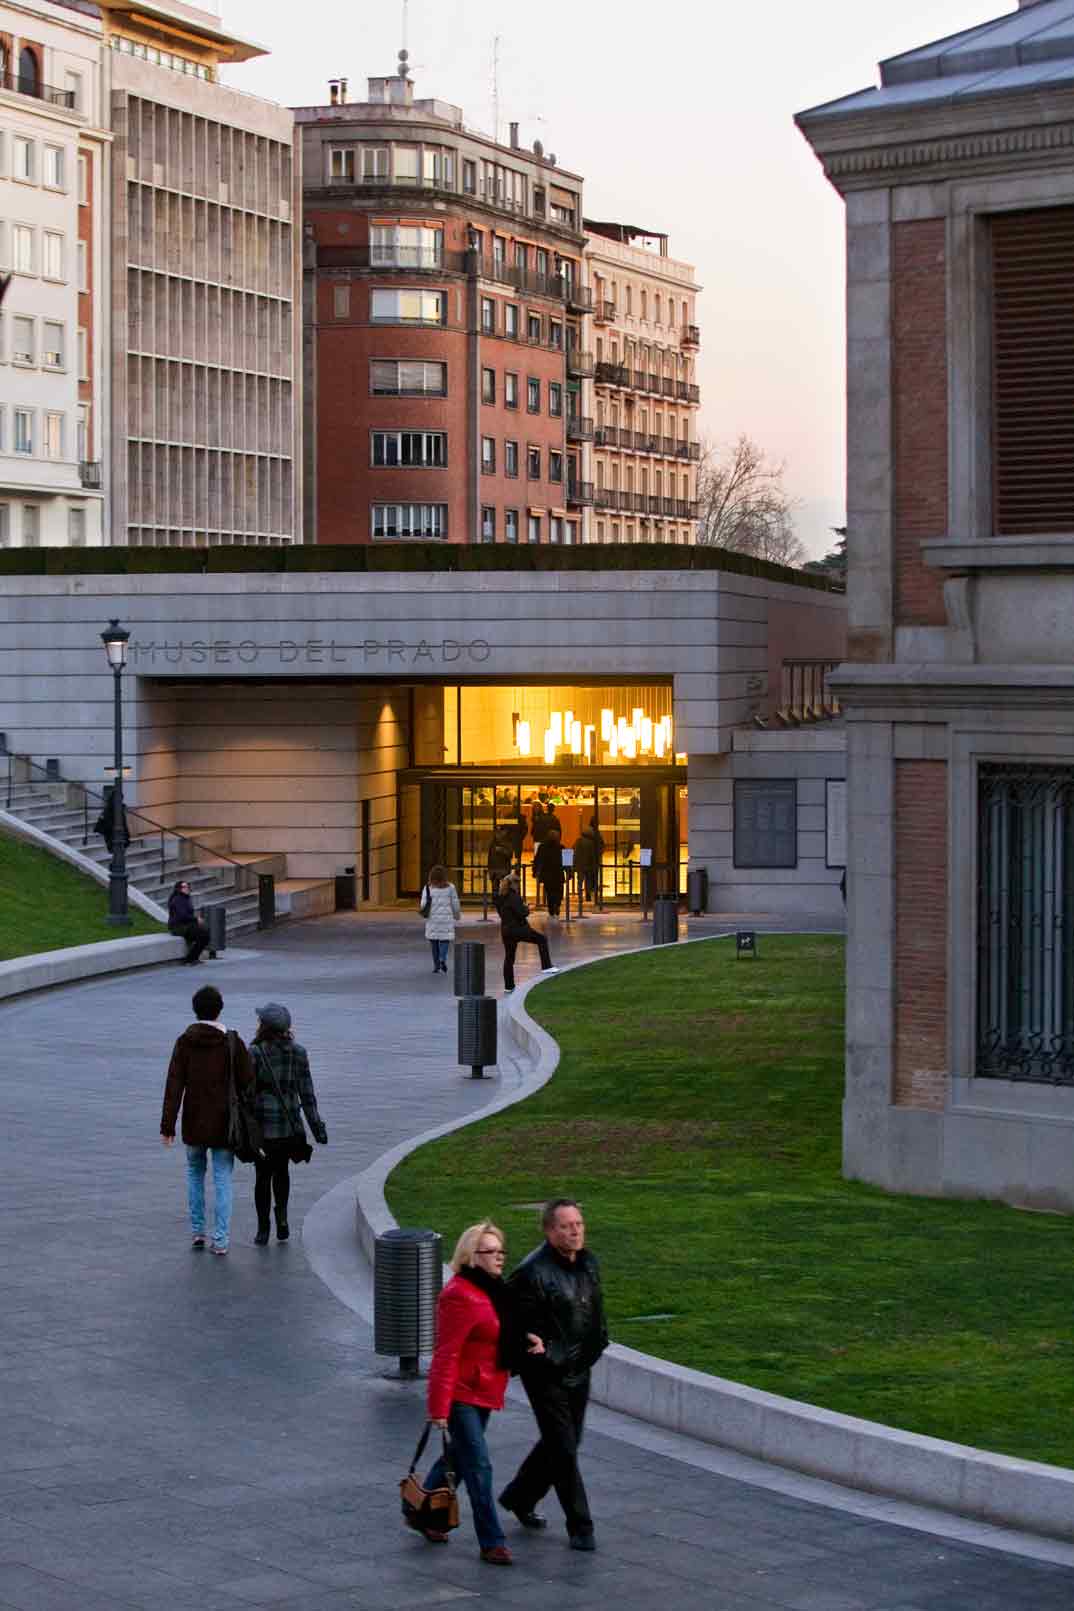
(115, 641)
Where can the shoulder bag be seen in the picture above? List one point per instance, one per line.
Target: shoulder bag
(244, 1136)
(298, 1149)
(426, 902)
(434, 1510)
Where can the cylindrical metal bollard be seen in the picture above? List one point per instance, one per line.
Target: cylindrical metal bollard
(697, 890)
(469, 968)
(665, 919)
(347, 891)
(477, 1033)
(266, 900)
(216, 918)
(407, 1274)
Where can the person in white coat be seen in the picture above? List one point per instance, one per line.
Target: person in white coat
(441, 911)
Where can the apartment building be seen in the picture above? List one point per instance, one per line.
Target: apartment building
(204, 342)
(53, 153)
(645, 340)
(444, 355)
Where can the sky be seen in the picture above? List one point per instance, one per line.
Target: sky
(679, 116)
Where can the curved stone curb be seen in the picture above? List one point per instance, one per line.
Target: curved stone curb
(76, 962)
(781, 1431)
(74, 858)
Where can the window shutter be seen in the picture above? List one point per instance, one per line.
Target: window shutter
(1033, 371)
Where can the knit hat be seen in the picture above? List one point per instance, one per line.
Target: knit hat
(273, 1016)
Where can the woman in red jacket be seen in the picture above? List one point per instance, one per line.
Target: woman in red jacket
(468, 1376)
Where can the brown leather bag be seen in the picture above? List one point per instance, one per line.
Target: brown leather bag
(433, 1510)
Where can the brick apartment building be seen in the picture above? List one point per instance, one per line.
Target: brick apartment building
(958, 176)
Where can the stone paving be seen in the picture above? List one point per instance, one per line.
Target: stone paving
(181, 1431)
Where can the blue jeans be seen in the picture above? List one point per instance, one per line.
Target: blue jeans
(440, 951)
(466, 1433)
(223, 1164)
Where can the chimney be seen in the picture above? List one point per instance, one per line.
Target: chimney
(514, 137)
(342, 91)
(333, 92)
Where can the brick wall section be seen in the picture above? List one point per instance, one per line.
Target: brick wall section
(920, 934)
(919, 387)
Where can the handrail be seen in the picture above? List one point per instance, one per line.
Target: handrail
(14, 759)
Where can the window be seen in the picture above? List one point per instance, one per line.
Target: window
(510, 390)
(22, 248)
(488, 523)
(555, 465)
(533, 329)
(533, 395)
(76, 528)
(555, 529)
(22, 341)
(533, 528)
(405, 246)
(374, 163)
(83, 181)
(31, 525)
(542, 262)
(5, 524)
(23, 438)
(406, 164)
(533, 463)
(53, 436)
(417, 520)
(52, 344)
(522, 256)
(82, 254)
(341, 162)
(510, 320)
(469, 178)
(83, 450)
(488, 455)
(438, 167)
(488, 385)
(1025, 916)
(52, 255)
(555, 398)
(645, 305)
(405, 377)
(341, 301)
(555, 334)
(53, 167)
(510, 458)
(766, 824)
(488, 316)
(418, 450)
(72, 83)
(408, 307)
(510, 525)
(572, 532)
(22, 158)
(83, 354)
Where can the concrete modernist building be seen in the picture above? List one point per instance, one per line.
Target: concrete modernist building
(53, 154)
(444, 301)
(645, 341)
(958, 175)
(205, 411)
(386, 719)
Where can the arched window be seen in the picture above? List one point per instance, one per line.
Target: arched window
(29, 83)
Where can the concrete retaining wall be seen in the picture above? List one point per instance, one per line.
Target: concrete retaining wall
(77, 962)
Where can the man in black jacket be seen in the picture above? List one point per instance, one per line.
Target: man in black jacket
(557, 1295)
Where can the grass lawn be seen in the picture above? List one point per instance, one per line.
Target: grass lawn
(696, 1114)
(46, 905)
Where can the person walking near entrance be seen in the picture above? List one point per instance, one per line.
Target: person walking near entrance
(199, 1078)
(585, 863)
(548, 870)
(284, 1084)
(441, 910)
(557, 1297)
(515, 930)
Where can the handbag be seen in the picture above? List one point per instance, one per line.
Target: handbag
(434, 1510)
(298, 1147)
(244, 1136)
(426, 902)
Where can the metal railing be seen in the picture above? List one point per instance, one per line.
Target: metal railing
(408, 259)
(579, 363)
(668, 447)
(643, 380)
(580, 493)
(580, 298)
(579, 428)
(691, 335)
(23, 84)
(522, 279)
(604, 311)
(89, 472)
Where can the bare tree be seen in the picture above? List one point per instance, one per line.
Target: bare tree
(743, 504)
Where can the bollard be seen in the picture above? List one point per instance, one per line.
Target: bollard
(469, 968)
(266, 900)
(477, 1033)
(216, 918)
(407, 1274)
(347, 891)
(665, 919)
(697, 890)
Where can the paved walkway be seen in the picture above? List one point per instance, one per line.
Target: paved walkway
(180, 1431)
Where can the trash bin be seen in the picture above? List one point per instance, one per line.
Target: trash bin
(347, 891)
(665, 919)
(216, 918)
(697, 890)
(469, 968)
(407, 1275)
(477, 1033)
(266, 900)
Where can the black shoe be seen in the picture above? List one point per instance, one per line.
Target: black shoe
(584, 1541)
(283, 1230)
(261, 1239)
(528, 1518)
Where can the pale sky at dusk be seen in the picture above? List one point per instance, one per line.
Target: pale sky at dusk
(679, 117)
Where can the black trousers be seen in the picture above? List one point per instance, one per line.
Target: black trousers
(273, 1180)
(196, 936)
(511, 942)
(553, 1461)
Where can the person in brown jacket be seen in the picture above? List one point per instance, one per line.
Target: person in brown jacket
(198, 1083)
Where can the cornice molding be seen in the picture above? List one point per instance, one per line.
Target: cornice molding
(957, 152)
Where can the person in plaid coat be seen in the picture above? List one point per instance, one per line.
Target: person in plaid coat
(283, 1086)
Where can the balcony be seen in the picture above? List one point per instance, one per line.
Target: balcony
(23, 84)
(579, 428)
(89, 473)
(612, 375)
(580, 299)
(579, 364)
(686, 392)
(603, 311)
(579, 494)
(501, 272)
(691, 335)
(392, 259)
(605, 498)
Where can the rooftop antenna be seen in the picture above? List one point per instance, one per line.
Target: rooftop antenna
(496, 88)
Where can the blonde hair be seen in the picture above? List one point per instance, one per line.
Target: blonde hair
(466, 1246)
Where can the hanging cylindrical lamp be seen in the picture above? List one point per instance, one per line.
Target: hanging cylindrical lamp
(622, 728)
(637, 716)
(587, 740)
(660, 741)
(630, 744)
(549, 747)
(646, 735)
(522, 738)
(613, 745)
(555, 727)
(607, 725)
(576, 738)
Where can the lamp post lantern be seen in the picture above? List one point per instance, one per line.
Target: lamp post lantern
(115, 641)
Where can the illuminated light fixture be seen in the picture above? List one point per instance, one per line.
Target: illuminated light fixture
(607, 725)
(587, 740)
(549, 747)
(630, 745)
(613, 745)
(622, 729)
(646, 735)
(681, 759)
(637, 716)
(576, 738)
(568, 724)
(555, 726)
(660, 741)
(522, 738)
